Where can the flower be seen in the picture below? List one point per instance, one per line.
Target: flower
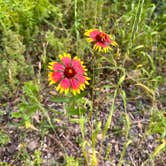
(164, 114)
(70, 74)
(102, 40)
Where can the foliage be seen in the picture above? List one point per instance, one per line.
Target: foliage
(23, 16)
(13, 65)
(33, 32)
(157, 124)
(75, 105)
(20, 22)
(30, 103)
(4, 138)
(70, 161)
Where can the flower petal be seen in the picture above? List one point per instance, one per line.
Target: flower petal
(76, 61)
(94, 33)
(55, 77)
(80, 78)
(91, 32)
(103, 45)
(77, 65)
(66, 61)
(50, 66)
(65, 83)
(75, 84)
(58, 67)
(64, 86)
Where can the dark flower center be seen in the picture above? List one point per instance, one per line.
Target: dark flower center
(69, 72)
(101, 37)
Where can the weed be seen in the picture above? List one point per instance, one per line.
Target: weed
(127, 81)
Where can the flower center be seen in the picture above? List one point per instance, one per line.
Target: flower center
(69, 72)
(101, 37)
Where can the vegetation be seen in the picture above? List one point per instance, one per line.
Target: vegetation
(119, 119)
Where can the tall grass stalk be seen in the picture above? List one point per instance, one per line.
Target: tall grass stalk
(128, 142)
(123, 153)
(107, 125)
(156, 151)
(136, 20)
(94, 134)
(127, 129)
(84, 151)
(76, 24)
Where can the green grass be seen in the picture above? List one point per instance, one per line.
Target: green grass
(33, 33)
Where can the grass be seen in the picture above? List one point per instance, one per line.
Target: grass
(118, 119)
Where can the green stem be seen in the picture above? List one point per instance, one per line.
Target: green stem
(123, 152)
(47, 116)
(93, 84)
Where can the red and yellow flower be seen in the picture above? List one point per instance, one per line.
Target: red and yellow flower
(69, 74)
(164, 114)
(101, 40)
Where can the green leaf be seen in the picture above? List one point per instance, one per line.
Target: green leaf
(79, 95)
(123, 95)
(122, 78)
(4, 138)
(159, 149)
(138, 47)
(16, 114)
(60, 99)
(75, 111)
(95, 133)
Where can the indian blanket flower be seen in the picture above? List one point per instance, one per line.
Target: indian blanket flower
(101, 40)
(164, 114)
(70, 74)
